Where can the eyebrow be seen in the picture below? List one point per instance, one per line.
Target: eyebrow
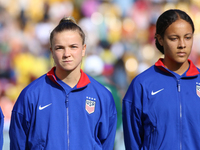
(58, 45)
(189, 34)
(69, 44)
(184, 35)
(74, 44)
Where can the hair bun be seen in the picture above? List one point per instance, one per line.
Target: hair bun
(67, 20)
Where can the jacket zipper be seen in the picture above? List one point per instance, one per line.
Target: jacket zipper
(67, 103)
(67, 123)
(179, 89)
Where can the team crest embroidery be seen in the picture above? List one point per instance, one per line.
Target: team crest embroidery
(198, 90)
(90, 106)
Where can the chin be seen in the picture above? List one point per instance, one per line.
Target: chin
(64, 69)
(182, 61)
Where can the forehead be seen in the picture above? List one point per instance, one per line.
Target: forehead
(67, 35)
(180, 26)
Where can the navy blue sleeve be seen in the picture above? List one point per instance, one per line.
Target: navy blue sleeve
(18, 132)
(131, 116)
(108, 124)
(1, 128)
(19, 125)
(109, 142)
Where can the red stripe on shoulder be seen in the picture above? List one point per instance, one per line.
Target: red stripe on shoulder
(84, 80)
(192, 71)
(51, 75)
(160, 65)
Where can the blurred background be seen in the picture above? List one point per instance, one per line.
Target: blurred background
(119, 38)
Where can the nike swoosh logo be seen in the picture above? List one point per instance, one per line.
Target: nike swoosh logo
(153, 93)
(40, 107)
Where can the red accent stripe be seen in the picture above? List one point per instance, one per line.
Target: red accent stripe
(160, 65)
(52, 76)
(84, 80)
(192, 71)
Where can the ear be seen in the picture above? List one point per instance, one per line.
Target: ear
(83, 50)
(160, 39)
(51, 51)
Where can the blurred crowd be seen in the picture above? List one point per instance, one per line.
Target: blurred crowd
(119, 34)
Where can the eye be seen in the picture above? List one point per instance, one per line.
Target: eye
(173, 39)
(74, 46)
(188, 38)
(58, 47)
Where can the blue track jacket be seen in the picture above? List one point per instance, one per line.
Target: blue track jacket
(1, 128)
(161, 110)
(46, 117)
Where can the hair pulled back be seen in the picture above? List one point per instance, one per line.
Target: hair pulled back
(166, 19)
(67, 23)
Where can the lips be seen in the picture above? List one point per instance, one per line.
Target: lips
(181, 54)
(67, 60)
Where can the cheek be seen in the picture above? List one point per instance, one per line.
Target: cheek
(78, 53)
(170, 47)
(190, 44)
(55, 56)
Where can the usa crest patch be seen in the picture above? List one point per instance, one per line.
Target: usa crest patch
(90, 106)
(198, 90)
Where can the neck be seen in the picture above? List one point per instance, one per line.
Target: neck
(178, 68)
(70, 78)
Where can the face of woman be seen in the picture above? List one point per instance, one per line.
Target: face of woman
(177, 42)
(67, 51)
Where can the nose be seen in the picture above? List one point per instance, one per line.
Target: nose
(181, 44)
(66, 52)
